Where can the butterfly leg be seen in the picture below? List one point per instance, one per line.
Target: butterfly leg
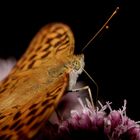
(58, 112)
(84, 88)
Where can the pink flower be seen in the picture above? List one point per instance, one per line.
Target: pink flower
(91, 123)
(6, 66)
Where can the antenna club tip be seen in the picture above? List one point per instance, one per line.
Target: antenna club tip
(117, 8)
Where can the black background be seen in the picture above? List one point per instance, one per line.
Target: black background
(112, 59)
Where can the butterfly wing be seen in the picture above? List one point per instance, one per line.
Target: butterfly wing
(25, 102)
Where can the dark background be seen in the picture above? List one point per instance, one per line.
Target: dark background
(112, 59)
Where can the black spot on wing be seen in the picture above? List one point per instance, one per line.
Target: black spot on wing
(45, 102)
(2, 117)
(19, 127)
(15, 124)
(32, 57)
(32, 112)
(45, 55)
(4, 89)
(5, 127)
(31, 64)
(17, 115)
(38, 48)
(63, 39)
(47, 106)
(35, 125)
(31, 120)
(45, 49)
(33, 106)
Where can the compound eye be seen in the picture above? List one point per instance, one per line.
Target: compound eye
(76, 65)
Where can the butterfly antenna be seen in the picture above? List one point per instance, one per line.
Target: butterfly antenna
(104, 26)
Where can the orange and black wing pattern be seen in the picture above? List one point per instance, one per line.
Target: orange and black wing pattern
(28, 95)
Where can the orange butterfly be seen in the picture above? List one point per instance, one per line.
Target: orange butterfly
(31, 92)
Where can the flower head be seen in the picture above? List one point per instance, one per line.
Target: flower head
(6, 66)
(91, 123)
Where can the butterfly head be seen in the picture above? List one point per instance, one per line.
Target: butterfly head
(77, 65)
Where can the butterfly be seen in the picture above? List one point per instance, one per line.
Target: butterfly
(34, 87)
